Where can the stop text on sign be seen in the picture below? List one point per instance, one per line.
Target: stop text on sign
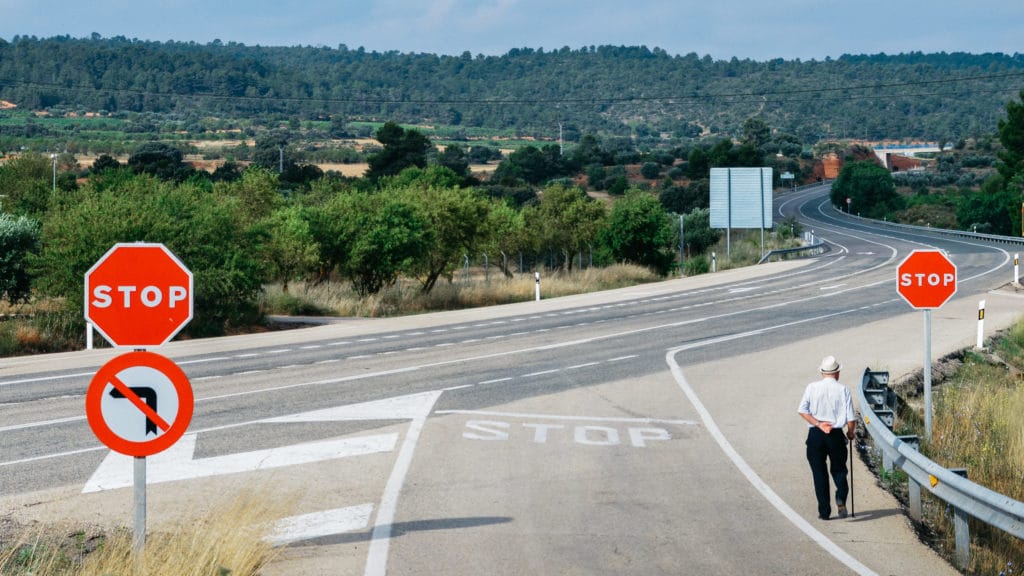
(927, 279)
(149, 296)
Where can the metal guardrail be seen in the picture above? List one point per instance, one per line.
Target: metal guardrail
(810, 250)
(967, 498)
(943, 231)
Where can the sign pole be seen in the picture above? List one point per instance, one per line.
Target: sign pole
(761, 178)
(140, 502)
(928, 373)
(682, 247)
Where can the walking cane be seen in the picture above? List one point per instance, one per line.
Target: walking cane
(853, 514)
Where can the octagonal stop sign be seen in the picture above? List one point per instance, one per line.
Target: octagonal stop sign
(926, 279)
(138, 295)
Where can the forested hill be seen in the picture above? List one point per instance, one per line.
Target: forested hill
(605, 89)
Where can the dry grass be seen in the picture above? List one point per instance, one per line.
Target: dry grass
(977, 425)
(480, 289)
(229, 540)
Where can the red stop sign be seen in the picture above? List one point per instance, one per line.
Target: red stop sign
(138, 295)
(926, 279)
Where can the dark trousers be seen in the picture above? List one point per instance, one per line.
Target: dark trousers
(826, 453)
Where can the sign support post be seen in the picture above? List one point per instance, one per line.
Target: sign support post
(139, 499)
(928, 373)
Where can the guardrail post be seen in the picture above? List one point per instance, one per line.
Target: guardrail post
(962, 530)
(914, 500)
(913, 487)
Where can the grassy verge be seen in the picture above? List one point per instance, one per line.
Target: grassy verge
(480, 289)
(977, 424)
(229, 540)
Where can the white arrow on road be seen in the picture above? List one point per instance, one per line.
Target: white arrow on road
(179, 463)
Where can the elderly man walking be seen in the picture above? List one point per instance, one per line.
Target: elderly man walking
(827, 407)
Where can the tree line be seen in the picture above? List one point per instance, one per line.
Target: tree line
(615, 90)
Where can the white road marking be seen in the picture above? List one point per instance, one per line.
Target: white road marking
(43, 423)
(319, 524)
(178, 462)
(571, 417)
(380, 542)
(541, 373)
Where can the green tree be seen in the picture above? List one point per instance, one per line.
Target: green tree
(756, 132)
(256, 191)
(289, 249)
(870, 189)
(1011, 135)
(566, 221)
(698, 233)
(371, 238)
(105, 162)
(698, 165)
(639, 231)
(506, 233)
(994, 209)
(650, 170)
(402, 149)
(206, 231)
(26, 184)
(454, 158)
(19, 237)
(160, 160)
(456, 218)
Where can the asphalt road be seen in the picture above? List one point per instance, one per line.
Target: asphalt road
(648, 430)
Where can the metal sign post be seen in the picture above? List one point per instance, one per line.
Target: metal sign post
(928, 373)
(139, 501)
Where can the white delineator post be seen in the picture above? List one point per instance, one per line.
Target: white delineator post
(981, 324)
(1016, 269)
(537, 291)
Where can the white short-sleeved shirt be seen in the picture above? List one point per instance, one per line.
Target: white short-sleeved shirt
(828, 401)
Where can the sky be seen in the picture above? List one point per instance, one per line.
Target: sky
(723, 29)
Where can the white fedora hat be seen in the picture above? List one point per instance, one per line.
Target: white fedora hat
(829, 365)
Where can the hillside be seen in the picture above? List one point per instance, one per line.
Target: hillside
(614, 90)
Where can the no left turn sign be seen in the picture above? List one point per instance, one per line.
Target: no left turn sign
(139, 403)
